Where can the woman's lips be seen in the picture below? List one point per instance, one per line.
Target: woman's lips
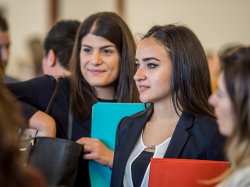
(142, 88)
(96, 71)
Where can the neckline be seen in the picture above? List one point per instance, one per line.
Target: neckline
(153, 147)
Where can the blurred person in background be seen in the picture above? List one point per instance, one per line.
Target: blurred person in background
(214, 67)
(58, 47)
(5, 49)
(35, 46)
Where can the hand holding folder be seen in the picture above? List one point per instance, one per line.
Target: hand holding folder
(105, 118)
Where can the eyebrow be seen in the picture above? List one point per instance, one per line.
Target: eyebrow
(148, 59)
(106, 46)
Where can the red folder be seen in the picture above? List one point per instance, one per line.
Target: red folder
(170, 172)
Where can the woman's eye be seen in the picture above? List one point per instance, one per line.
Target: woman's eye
(137, 66)
(151, 65)
(107, 51)
(86, 50)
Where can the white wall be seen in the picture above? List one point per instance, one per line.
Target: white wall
(26, 18)
(216, 22)
(80, 9)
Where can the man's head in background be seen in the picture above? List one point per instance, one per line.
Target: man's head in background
(4, 42)
(58, 46)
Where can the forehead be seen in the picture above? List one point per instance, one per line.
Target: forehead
(150, 47)
(95, 41)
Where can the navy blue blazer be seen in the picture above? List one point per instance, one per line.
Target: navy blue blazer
(195, 137)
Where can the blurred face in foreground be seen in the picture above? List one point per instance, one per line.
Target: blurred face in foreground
(222, 104)
(4, 48)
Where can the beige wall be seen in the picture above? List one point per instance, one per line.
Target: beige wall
(26, 18)
(216, 22)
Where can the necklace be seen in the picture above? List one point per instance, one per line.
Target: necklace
(150, 147)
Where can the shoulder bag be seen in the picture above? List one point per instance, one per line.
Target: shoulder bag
(57, 159)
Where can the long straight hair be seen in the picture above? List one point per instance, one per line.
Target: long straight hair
(112, 27)
(236, 68)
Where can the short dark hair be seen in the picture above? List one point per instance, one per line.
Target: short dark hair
(112, 27)
(190, 82)
(60, 39)
(3, 24)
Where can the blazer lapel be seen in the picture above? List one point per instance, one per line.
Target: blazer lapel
(180, 136)
(132, 134)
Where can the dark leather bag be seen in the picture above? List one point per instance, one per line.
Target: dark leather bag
(57, 159)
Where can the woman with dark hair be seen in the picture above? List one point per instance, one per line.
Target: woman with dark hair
(102, 67)
(172, 75)
(232, 108)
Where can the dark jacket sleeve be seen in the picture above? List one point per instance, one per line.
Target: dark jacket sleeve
(33, 94)
(27, 110)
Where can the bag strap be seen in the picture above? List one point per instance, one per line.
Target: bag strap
(52, 99)
(70, 124)
(70, 115)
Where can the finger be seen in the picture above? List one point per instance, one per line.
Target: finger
(83, 140)
(91, 156)
(88, 148)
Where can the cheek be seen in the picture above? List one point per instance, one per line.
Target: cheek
(82, 59)
(162, 80)
(82, 65)
(115, 67)
(225, 117)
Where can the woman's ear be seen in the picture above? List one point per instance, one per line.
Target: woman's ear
(51, 58)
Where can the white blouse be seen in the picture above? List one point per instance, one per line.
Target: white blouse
(160, 151)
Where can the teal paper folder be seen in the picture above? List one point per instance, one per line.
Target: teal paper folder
(105, 118)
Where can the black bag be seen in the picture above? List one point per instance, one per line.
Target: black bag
(57, 159)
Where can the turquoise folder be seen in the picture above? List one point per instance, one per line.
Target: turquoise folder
(105, 118)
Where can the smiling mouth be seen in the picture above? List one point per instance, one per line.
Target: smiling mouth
(95, 71)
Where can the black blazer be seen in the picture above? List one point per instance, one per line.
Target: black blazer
(195, 137)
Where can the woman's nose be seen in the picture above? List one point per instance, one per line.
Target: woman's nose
(96, 58)
(139, 74)
(212, 99)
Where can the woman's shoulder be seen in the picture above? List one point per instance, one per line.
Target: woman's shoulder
(138, 116)
(48, 79)
(135, 119)
(204, 119)
(192, 119)
(200, 124)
